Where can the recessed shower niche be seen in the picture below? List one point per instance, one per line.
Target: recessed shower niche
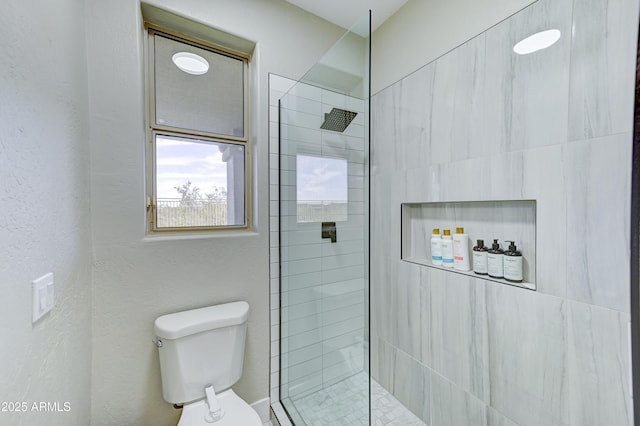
(510, 220)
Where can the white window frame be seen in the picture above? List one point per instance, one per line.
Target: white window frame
(154, 129)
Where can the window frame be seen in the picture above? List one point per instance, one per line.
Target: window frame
(153, 129)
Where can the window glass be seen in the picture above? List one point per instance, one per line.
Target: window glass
(211, 102)
(199, 183)
(322, 188)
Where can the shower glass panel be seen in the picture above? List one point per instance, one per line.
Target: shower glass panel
(324, 237)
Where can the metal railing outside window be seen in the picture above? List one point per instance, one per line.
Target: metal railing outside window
(176, 212)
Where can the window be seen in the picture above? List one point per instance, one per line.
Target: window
(198, 143)
(322, 188)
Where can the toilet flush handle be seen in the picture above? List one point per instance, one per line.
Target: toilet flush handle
(157, 341)
(215, 410)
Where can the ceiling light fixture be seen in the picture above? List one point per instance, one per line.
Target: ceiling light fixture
(537, 41)
(191, 63)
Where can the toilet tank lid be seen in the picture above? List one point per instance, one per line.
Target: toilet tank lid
(181, 324)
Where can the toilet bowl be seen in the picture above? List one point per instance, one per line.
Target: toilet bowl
(237, 412)
(201, 355)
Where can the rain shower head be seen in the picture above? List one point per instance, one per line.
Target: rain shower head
(338, 119)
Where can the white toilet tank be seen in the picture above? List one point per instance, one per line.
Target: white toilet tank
(201, 347)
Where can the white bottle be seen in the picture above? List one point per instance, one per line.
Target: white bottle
(461, 251)
(447, 249)
(436, 247)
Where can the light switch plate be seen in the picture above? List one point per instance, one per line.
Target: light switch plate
(43, 296)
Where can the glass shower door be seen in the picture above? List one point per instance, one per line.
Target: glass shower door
(324, 225)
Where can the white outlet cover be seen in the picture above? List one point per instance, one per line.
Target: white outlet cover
(43, 296)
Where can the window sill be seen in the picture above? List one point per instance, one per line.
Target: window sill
(156, 237)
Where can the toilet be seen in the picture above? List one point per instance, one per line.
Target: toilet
(201, 356)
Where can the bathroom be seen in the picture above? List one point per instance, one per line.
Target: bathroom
(72, 132)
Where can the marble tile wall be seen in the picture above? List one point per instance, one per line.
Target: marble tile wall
(481, 123)
(317, 287)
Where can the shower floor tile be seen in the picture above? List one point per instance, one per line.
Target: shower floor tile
(345, 403)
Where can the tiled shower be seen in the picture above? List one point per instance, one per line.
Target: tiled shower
(482, 124)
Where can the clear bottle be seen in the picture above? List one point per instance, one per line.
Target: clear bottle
(512, 264)
(436, 247)
(461, 251)
(480, 258)
(447, 249)
(495, 261)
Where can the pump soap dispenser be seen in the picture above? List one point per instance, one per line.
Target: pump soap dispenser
(495, 263)
(480, 258)
(513, 263)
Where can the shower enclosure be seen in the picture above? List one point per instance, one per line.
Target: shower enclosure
(323, 237)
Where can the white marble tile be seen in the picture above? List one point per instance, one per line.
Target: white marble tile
(527, 355)
(411, 111)
(427, 275)
(406, 308)
(380, 298)
(603, 67)
(458, 98)
(381, 211)
(383, 126)
(598, 210)
(527, 95)
(459, 334)
(495, 418)
(383, 362)
(412, 385)
(450, 405)
(598, 358)
(542, 175)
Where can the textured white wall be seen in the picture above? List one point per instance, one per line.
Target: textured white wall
(423, 30)
(137, 280)
(45, 210)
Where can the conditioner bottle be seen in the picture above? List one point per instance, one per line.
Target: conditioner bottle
(461, 251)
(447, 249)
(436, 248)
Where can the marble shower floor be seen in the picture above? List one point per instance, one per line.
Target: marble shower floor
(345, 403)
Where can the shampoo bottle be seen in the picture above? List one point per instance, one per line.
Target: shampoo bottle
(495, 261)
(512, 263)
(436, 247)
(461, 251)
(447, 249)
(480, 258)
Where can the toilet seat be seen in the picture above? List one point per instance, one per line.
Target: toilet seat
(237, 412)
